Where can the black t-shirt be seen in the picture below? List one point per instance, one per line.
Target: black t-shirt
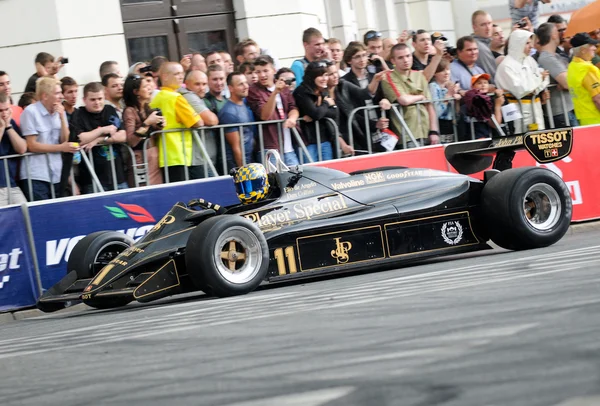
(84, 121)
(30, 87)
(417, 65)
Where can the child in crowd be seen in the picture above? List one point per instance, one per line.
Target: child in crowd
(249, 70)
(441, 87)
(478, 107)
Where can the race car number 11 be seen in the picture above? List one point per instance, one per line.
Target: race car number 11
(291, 259)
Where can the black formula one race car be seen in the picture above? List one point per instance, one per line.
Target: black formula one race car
(316, 220)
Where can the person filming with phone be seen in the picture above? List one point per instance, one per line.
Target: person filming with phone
(272, 100)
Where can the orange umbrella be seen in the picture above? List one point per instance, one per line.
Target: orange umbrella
(586, 19)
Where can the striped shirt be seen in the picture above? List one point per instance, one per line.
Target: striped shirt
(531, 9)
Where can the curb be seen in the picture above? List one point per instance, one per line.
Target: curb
(30, 313)
(575, 228)
(578, 228)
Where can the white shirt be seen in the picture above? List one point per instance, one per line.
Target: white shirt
(36, 120)
(287, 135)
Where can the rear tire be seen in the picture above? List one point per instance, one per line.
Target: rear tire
(526, 208)
(93, 252)
(227, 255)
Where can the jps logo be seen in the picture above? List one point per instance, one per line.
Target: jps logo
(168, 219)
(342, 248)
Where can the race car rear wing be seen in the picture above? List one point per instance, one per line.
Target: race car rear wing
(475, 156)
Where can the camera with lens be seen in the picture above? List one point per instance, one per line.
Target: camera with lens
(146, 69)
(64, 60)
(158, 113)
(289, 81)
(375, 62)
(452, 51)
(522, 23)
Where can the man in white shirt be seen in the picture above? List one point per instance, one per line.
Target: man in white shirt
(46, 130)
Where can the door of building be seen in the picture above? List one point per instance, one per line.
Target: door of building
(174, 28)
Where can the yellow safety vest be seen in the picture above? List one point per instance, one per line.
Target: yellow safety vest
(585, 109)
(176, 142)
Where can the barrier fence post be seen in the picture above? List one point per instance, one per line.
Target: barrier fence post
(29, 182)
(261, 144)
(368, 133)
(113, 168)
(95, 181)
(223, 154)
(7, 178)
(163, 142)
(242, 146)
(32, 248)
(565, 112)
(318, 129)
(279, 140)
(186, 172)
(52, 192)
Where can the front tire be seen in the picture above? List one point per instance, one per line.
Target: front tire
(94, 252)
(227, 256)
(526, 208)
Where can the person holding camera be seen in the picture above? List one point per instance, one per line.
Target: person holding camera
(140, 122)
(424, 58)
(273, 100)
(530, 9)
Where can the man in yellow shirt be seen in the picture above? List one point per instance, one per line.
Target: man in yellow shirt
(583, 79)
(175, 148)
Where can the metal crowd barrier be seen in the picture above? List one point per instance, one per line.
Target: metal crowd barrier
(199, 140)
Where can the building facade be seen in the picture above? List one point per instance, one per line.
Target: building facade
(89, 32)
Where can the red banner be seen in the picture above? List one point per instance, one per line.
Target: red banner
(427, 157)
(579, 170)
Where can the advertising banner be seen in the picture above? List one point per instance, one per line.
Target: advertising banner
(429, 157)
(580, 172)
(18, 286)
(58, 226)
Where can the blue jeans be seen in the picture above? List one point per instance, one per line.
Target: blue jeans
(326, 152)
(289, 158)
(40, 190)
(559, 120)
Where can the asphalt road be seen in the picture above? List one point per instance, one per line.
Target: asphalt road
(496, 328)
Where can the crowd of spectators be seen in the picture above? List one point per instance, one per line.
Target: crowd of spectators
(156, 122)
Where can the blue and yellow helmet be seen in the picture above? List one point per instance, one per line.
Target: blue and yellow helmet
(251, 183)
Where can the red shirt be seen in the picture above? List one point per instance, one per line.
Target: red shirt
(258, 96)
(16, 114)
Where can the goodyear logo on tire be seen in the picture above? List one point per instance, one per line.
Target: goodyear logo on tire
(549, 145)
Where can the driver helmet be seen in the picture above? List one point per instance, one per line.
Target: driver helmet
(251, 183)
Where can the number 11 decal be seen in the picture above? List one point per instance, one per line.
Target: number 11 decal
(291, 260)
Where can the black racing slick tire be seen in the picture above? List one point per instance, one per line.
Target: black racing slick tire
(227, 255)
(526, 208)
(91, 253)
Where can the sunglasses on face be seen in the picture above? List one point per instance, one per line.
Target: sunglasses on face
(372, 35)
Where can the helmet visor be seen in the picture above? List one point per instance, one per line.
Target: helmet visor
(246, 187)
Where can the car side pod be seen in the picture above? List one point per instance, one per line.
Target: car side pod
(544, 146)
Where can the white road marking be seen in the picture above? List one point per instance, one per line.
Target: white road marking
(312, 398)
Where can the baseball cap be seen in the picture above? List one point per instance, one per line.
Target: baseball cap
(438, 35)
(582, 38)
(480, 76)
